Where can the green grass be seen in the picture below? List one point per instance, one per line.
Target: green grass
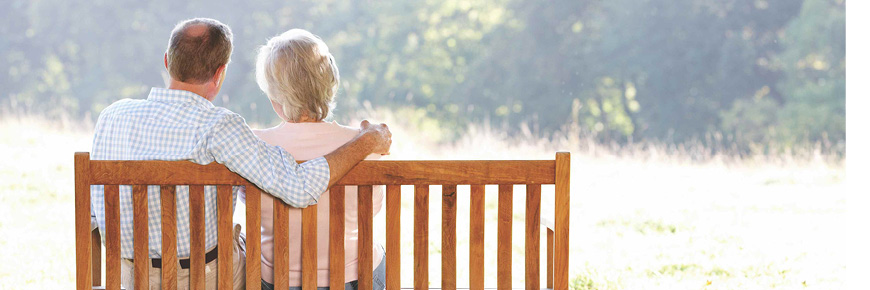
(639, 220)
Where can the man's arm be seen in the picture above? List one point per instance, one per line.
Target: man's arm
(372, 139)
(233, 144)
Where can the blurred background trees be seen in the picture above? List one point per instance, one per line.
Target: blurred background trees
(754, 75)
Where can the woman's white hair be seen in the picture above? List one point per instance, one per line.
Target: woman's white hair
(296, 70)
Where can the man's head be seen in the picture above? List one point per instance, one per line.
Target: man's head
(198, 52)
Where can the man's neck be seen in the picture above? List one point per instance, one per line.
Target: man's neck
(196, 89)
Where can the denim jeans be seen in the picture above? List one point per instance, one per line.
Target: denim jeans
(379, 280)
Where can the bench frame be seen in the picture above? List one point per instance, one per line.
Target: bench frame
(393, 174)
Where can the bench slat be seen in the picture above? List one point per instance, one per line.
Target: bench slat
(505, 223)
(475, 237)
(169, 241)
(562, 207)
(421, 237)
(309, 246)
(533, 236)
(448, 237)
(197, 237)
(550, 237)
(365, 236)
(252, 237)
(225, 244)
(394, 230)
(282, 244)
(141, 259)
(96, 257)
(381, 172)
(83, 221)
(336, 237)
(113, 237)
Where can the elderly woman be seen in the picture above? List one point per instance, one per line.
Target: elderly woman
(299, 75)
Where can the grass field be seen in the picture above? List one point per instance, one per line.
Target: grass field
(645, 220)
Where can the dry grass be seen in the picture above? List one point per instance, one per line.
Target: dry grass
(640, 219)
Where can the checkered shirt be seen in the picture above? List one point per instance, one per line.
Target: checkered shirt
(180, 125)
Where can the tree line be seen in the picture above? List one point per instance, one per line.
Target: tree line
(768, 73)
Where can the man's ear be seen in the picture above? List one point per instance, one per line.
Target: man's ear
(166, 61)
(217, 78)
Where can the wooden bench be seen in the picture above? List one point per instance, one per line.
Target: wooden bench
(393, 174)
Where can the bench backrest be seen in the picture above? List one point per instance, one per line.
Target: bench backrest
(392, 174)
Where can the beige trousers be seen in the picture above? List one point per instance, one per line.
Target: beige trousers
(155, 274)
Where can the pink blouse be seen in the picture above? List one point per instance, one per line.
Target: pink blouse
(306, 141)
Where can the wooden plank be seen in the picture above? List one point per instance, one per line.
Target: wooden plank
(141, 258)
(96, 257)
(421, 237)
(309, 243)
(282, 244)
(225, 236)
(336, 237)
(450, 172)
(365, 216)
(562, 208)
(448, 237)
(370, 172)
(197, 238)
(550, 237)
(505, 227)
(533, 236)
(169, 255)
(394, 230)
(162, 172)
(252, 237)
(475, 238)
(83, 221)
(113, 237)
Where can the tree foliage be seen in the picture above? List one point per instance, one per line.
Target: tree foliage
(751, 71)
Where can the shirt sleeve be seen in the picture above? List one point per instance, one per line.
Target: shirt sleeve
(233, 144)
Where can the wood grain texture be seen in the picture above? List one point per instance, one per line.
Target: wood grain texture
(282, 244)
(252, 237)
(336, 237)
(505, 236)
(550, 237)
(96, 257)
(533, 237)
(562, 208)
(421, 237)
(309, 248)
(394, 230)
(372, 172)
(225, 236)
(477, 207)
(141, 259)
(83, 221)
(365, 244)
(169, 255)
(197, 238)
(448, 237)
(113, 237)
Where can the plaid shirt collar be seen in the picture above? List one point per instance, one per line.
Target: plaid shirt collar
(178, 96)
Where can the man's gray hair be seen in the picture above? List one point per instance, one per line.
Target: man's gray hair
(194, 55)
(296, 70)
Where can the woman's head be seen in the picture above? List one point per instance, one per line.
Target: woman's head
(297, 72)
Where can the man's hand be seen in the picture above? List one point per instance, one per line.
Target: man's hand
(372, 139)
(379, 135)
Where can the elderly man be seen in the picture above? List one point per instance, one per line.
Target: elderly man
(181, 123)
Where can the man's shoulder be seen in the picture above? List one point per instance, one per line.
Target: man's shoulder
(122, 105)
